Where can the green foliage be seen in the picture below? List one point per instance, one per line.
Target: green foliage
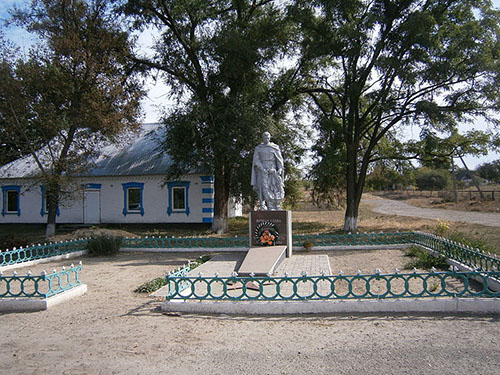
(369, 69)
(424, 260)
(219, 64)
(155, 284)
(104, 246)
(468, 240)
(72, 93)
(490, 171)
(385, 177)
(430, 179)
(152, 286)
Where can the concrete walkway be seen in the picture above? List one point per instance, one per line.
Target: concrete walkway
(392, 207)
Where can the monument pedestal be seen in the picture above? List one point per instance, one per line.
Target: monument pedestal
(270, 234)
(271, 228)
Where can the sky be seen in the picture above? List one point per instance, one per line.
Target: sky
(158, 99)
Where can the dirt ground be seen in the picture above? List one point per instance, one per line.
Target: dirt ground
(463, 204)
(112, 330)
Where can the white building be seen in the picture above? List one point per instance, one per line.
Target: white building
(127, 186)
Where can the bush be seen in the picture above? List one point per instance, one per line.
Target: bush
(104, 246)
(432, 179)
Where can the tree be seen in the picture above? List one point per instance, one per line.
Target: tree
(73, 91)
(490, 171)
(374, 67)
(455, 146)
(218, 57)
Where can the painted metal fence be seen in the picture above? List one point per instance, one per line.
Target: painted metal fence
(40, 251)
(334, 287)
(40, 286)
(185, 242)
(474, 258)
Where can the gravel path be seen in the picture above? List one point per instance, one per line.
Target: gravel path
(111, 330)
(393, 207)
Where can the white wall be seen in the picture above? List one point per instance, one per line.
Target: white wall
(111, 194)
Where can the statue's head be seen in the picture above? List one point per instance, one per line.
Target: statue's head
(266, 137)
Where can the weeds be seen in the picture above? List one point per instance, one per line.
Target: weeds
(424, 260)
(159, 282)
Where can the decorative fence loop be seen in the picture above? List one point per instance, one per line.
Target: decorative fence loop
(359, 286)
(40, 286)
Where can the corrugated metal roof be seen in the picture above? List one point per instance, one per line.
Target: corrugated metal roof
(143, 156)
(140, 155)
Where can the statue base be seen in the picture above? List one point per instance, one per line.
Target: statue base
(271, 228)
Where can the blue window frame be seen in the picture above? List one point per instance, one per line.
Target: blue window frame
(43, 210)
(178, 198)
(133, 198)
(11, 197)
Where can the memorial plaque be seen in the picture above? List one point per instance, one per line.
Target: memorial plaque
(271, 228)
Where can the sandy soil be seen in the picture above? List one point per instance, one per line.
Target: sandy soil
(112, 330)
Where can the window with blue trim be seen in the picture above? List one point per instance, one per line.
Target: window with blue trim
(178, 197)
(44, 210)
(11, 197)
(133, 198)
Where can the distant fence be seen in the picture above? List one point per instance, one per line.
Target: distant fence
(40, 286)
(35, 252)
(490, 195)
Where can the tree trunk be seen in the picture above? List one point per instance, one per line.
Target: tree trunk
(52, 200)
(473, 178)
(221, 198)
(454, 179)
(354, 190)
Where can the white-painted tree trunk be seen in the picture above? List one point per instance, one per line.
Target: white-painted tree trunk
(50, 230)
(350, 224)
(219, 225)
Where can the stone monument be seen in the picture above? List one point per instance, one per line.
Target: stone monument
(268, 174)
(270, 225)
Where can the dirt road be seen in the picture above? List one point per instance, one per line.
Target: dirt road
(394, 207)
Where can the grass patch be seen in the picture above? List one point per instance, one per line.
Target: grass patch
(424, 260)
(159, 282)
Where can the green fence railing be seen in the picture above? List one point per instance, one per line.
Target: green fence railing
(39, 251)
(185, 242)
(335, 287)
(474, 258)
(40, 286)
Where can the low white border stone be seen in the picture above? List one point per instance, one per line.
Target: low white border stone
(39, 304)
(44, 260)
(410, 305)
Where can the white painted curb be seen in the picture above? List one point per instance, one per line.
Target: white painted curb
(423, 305)
(39, 304)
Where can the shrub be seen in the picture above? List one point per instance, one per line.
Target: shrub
(104, 245)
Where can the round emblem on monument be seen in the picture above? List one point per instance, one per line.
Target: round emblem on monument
(266, 233)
